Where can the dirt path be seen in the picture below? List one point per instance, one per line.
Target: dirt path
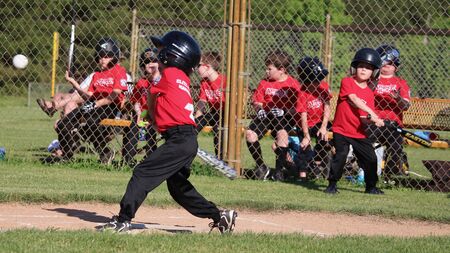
(173, 220)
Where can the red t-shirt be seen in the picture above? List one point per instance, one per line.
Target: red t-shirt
(140, 93)
(103, 83)
(386, 107)
(174, 104)
(213, 92)
(347, 119)
(313, 102)
(281, 95)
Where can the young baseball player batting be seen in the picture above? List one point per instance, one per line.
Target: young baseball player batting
(355, 102)
(171, 110)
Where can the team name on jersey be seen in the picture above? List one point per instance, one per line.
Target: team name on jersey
(104, 82)
(182, 85)
(212, 94)
(386, 88)
(314, 104)
(275, 92)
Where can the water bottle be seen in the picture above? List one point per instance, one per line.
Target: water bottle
(360, 177)
(2, 153)
(142, 133)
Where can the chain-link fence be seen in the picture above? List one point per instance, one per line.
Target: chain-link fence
(280, 93)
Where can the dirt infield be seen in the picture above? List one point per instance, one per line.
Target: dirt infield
(173, 220)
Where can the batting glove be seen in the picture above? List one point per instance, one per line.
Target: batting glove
(261, 114)
(87, 107)
(277, 112)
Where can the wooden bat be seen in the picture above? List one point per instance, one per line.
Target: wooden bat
(217, 164)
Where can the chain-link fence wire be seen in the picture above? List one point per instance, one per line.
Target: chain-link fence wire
(420, 31)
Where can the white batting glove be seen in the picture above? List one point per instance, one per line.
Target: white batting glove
(261, 114)
(277, 112)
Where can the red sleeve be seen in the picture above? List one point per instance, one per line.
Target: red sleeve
(258, 96)
(325, 91)
(202, 95)
(91, 87)
(405, 92)
(301, 102)
(138, 91)
(120, 79)
(347, 88)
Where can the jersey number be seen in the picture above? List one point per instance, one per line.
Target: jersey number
(190, 107)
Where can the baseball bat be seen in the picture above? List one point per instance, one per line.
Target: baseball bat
(409, 135)
(70, 66)
(217, 164)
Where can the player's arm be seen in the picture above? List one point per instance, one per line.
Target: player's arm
(306, 141)
(84, 93)
(109, 99)
(201, 108)
(151, 102)
(323, 132)
(355, 101)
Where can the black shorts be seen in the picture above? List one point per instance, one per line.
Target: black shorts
(260, 127)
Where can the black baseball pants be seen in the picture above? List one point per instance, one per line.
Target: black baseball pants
(364, 152)
(170, 162)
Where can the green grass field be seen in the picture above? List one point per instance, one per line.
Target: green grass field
(25, 132)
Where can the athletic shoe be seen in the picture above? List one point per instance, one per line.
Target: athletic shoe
(116, 226)
(331, 189)
(226, 222)
(262, 172)
(374, 190)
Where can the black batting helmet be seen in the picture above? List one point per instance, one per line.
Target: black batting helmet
(107, 47)
(367, 55)
(311, 70)
(388, 54)
(149, 55)
(178, 49)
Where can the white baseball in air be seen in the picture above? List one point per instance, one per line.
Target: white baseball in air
(20, 61)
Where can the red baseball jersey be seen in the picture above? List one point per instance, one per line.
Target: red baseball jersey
(103, 83)
(281, 95)
(313, 103)
(213, 92)
(139, 94)
(347, 119)
(386, 107)
(174, 104)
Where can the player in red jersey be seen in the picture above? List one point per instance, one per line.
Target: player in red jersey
(274, 101)
(102, 100)
(355, 102)
(314, 100)
(171, 111)
(392, 98)
(148, 64)
(212, 95)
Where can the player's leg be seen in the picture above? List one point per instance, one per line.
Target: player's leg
(176, 153)
(367, 159)
(253, 135)
(281, 150)
(342, 146)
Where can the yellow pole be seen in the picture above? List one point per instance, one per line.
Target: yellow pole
(54, 59)
(327, 46)
(134, 39)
